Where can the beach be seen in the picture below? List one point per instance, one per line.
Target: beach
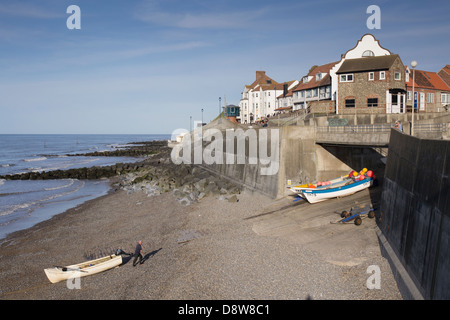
(246, 247)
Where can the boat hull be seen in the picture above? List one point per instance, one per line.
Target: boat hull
(333, 183)
(83, 269)
(314, 196)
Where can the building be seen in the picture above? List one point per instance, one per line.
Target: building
(232, 112)
(315, 86)
(432, 92)
(367, 79)
(366, 47)
(285, 101)
(259, 99)
(372, 84)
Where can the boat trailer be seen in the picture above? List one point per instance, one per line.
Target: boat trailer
(356, 214)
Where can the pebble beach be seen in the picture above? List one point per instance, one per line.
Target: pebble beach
(224, 243)
(208, 250)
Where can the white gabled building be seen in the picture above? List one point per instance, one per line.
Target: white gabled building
(367, 46)
(259, 100)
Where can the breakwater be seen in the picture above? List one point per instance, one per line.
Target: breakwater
(153, 175)
(136, 149)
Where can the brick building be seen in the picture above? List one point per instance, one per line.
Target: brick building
(371, 84)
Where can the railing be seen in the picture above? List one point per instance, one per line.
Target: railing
(370, 128)
(431, 127)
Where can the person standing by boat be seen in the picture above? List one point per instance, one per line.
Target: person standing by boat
(138, 254)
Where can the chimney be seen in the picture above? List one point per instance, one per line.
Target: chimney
(260, 74)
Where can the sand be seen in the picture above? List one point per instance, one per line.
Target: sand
(212, 249)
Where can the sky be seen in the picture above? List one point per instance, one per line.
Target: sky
(149, 67)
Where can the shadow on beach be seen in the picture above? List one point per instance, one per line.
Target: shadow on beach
(130, 256)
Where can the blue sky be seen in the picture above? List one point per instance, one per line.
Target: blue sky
(148, 66)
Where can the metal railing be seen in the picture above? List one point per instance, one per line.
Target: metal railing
(431, 127)
(369, 128)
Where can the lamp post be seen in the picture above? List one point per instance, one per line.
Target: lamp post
(202, 117)
(219, 104)
(413, 65)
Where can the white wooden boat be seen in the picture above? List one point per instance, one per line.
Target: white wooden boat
(83, 269)
(315, 186)
(350, 187)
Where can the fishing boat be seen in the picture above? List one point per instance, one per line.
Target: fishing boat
(320, 185)
(83, 269)
(351, 187)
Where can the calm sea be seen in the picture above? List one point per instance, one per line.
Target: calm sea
(25, 203)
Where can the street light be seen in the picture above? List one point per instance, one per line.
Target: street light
(413, 65)
(202, 117)
(219, 104)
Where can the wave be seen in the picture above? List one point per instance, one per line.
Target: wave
(7, 165)
(13, 208)
(35, 159)
(71, 181)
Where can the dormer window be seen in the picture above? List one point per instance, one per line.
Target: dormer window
(318, 76)
(305, 79)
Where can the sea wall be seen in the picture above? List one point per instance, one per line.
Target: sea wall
(290, 151)
(414, 218)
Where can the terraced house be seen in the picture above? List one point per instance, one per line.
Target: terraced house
(259, 99)
(432, 93)
(367, 79)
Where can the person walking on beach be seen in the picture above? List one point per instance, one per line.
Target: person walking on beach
(138, 254)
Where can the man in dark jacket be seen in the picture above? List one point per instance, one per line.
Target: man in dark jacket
(138, 254)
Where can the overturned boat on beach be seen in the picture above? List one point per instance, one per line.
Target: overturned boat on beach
(87, 268)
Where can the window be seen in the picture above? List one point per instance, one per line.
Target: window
(382, 75)
(346, 77)
(371, 76)
(372, 102)
(409, 95)
(316, 92)
(430, 97)
(349, 103)
(445, 98)
(397, 75)
(368, 53)
(318, 76)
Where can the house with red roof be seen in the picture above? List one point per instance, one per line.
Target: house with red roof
(315, 86)
(432, 92)
(259, 99)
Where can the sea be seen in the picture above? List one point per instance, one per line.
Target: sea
(24, 203)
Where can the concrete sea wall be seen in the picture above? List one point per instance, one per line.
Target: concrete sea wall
(414, 218)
